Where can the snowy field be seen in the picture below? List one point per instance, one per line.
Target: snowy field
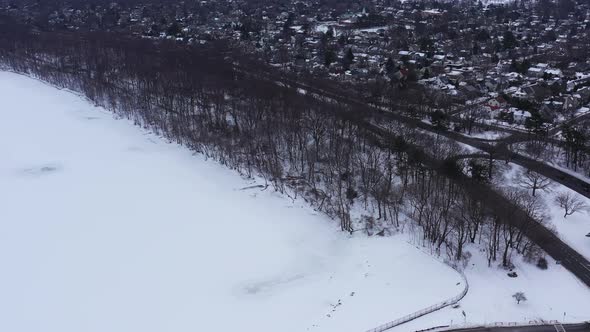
(550, 294)
(573, 228)
(488, 135)
(104, 227)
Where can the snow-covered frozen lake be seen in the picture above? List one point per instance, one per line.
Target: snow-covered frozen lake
(104, 227)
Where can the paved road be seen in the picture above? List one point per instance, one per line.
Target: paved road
(547, 328)
(501, 152)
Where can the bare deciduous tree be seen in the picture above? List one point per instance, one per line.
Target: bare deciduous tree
(519, 297)
(533, 181)
(570, 203)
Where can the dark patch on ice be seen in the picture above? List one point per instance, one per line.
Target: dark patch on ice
(134, 149)
(264, 286)
(92, 118)
(258, 186)
(42, 170)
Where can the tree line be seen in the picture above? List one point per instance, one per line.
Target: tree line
(327, 153)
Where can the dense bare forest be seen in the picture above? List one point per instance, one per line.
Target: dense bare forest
(324, 152)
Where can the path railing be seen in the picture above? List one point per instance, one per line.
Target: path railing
(428, 310)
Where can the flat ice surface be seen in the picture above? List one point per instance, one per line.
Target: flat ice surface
(104, 227)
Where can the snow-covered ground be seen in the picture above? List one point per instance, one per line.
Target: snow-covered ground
(104, 227)
(489, 135)
(504, 124)
(571, 229)
(550, 294)
(574, 228)
(374, 29)
(553, 294)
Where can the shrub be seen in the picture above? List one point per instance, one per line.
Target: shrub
(542, 263)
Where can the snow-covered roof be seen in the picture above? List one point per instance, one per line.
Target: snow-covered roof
(521, 113)
(556, 72)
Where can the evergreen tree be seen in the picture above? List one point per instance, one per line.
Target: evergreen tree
(509, 41)
(390, 67)
(348, 58)
(329, 57)
(174, 30)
